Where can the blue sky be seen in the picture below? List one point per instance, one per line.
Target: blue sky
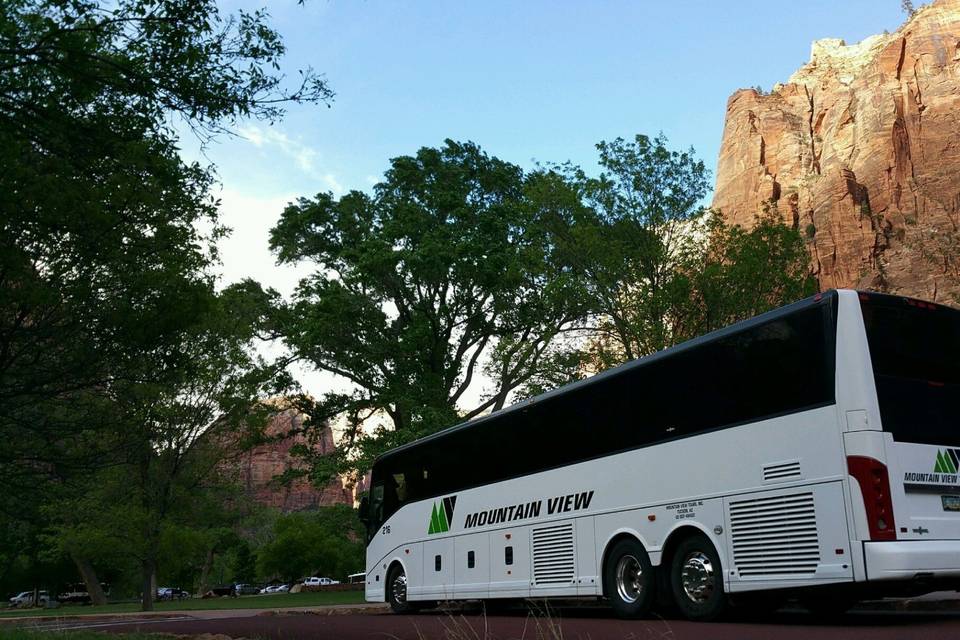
(528, 80)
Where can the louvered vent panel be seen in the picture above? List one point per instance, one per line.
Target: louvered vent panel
(554, 558)
(775, 535)
(779, 471)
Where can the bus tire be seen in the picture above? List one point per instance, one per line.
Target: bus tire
(397, 591)
(696, 579)
(628, 579)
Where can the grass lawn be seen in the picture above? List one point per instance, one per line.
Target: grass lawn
(267, 601)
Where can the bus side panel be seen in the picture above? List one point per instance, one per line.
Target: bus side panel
(373, 590)
(472, 581)
(510, 563)
(588, 573)
(554, 566)
(788, 537)
(438, 570)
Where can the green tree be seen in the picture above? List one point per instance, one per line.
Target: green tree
(244, 563)
(633, 242)
(745, 272)
(105, 233)
(182, 429)
(444, 270)
(658, 267)
(326, 542)
(182, 421)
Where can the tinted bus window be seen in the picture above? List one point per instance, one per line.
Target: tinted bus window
(915, 352)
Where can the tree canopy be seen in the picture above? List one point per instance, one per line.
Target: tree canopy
(445, 268)
(107, 237)
(460, 266)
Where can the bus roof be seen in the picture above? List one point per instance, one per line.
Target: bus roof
(597, 379)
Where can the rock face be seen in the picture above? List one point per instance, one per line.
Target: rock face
(860, 151)
(258, 468)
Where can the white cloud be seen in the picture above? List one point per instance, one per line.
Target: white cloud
(304, 156)
(332, 184)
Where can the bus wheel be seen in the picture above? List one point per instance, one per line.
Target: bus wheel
(628, 579)
(397, 591)
(696, 580)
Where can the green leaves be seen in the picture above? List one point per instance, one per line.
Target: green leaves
(115, 350)
(420, 282)
(328, 542)
(745, 272)
(461, 266)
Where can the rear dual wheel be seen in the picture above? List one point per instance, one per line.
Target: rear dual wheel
(628, 579)
(696, 580)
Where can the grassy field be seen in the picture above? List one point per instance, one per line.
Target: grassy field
(267, 601)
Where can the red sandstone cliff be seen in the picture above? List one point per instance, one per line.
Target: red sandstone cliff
(860, 150)
(258, 468)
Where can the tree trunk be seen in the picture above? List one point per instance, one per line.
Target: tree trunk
(205, 571)
(94, 590)
(148, 567)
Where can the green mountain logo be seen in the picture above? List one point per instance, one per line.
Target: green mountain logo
(948, 461)
(442, 515)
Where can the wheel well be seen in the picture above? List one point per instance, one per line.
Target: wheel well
(386, 578)
(673, 541)
(606, 552)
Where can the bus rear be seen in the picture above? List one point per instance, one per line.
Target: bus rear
(910, 484)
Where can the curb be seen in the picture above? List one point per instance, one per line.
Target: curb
(133, 616)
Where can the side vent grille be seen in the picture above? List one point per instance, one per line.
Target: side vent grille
(780, 471)
(554, 560)
(775, 535)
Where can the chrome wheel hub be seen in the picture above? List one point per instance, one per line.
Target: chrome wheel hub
(399, 589)
(629, 576)
(698, 577)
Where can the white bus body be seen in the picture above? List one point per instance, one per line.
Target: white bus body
(791, 501)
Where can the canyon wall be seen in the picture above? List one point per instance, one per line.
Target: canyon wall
(860, 151)
(258, 468)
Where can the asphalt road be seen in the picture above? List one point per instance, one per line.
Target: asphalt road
(568, 625)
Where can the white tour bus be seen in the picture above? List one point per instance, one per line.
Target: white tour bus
(812, 451)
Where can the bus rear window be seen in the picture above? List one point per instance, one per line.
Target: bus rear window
(915, 351)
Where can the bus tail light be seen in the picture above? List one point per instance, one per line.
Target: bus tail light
(874, 484)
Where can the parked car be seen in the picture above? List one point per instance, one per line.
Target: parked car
(172, 593)
(319, 582)
(276, 588)
(242, 589)
(357, 578)
(25, 599)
